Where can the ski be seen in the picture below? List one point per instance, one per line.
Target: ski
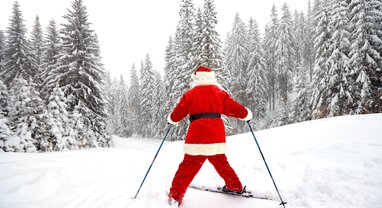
(247, 194)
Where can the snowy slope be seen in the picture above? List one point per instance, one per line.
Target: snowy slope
(328, 163)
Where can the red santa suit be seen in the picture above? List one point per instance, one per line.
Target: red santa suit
(206, 138)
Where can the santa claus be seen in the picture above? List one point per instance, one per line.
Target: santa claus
(205, 102)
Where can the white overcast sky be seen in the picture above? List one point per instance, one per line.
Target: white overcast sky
(130, 29)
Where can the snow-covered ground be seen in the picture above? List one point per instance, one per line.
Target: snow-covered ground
(328, 163)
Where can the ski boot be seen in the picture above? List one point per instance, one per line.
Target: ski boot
(225, 189)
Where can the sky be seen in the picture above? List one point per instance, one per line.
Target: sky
(130, 29)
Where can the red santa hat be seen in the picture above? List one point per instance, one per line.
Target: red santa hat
(203, 73)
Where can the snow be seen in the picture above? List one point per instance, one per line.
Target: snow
(329, 163)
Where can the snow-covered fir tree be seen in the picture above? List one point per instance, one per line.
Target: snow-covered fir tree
(134, 104)
(76, 129)
(80, 74)
(285, 51)
(49, 60)
(111, 98)
(123, 115)
(114, 99)
(40, 124)
(36, 40)
(147, 90)
(236, 62)
(8, 142)
(4, 100)
(257, 79)
(269, 44)
(304, 63)
(338, 93)
(2, 50)
(58, 119)
(28, 117)
(298, 30)
(186, 31)
(198, 38)
(236, 58)
(18, 59)
(210, 45)
(169, 75)
(159, 117)
(316, 14)
(365, 55)
(184, 62)
(300, 109)
(320, 78)
(308, 55)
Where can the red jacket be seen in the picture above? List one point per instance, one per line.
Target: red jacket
(206, 136)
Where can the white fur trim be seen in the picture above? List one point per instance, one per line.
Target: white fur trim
(171, 121)
(205, 149)
(203, 75)
(200, 82)
(249, 115)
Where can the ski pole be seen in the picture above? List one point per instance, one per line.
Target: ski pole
(164, 138)
(266, 165)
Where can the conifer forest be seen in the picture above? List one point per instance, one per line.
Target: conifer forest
(56, 94)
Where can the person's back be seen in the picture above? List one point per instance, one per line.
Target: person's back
(205, 102)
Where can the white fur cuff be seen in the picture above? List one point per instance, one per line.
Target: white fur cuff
(249, 115)
(171, 121)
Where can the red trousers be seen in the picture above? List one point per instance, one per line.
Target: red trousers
(191, 165)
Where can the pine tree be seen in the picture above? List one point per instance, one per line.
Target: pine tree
(37, 48)
(18, 51)
(304, 66)
(186, 36)
(320, 78)
(123, 128)
(49, 61)
(147, 89)
(2, 51)
(236, 58)
(76, 130)
(58, 119)
(184, 62)
(4, 100)
(24, 116)
(211, 55)
(80, 74)
(298, 30)
(134, 102)
(8, 142)
(169, 75)
(257, 80)
(338, 94)
(365, 55)
(301, 107)
(40, 125)
(308, 50)
(110, 86)
(158, 100)
(198, 39)
(285, 53)
(236, 62)
(270, 39)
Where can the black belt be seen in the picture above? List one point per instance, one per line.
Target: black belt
(204, 115)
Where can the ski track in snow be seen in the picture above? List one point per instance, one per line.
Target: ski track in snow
(329, 163)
